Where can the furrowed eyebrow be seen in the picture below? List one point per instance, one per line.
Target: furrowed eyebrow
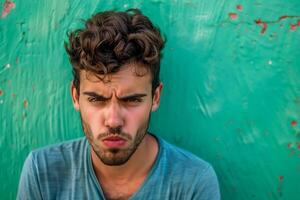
(95, 95)
(98, 96)
(132, 96)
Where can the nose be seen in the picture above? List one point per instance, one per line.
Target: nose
(114, 118)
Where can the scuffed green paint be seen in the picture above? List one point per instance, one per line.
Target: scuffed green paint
(231, 89)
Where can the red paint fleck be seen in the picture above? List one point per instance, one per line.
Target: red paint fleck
(281, 178)
(283, 17)
(7, 7)
(298, 147)
(233, 16)
(263, 24)
(25, 103)
(293, 27)
(1, 92)
(239, 7)
(294, 123)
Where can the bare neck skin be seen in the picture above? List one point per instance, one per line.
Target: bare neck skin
(126, 179)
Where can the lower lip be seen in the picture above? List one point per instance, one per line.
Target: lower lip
(114, 143)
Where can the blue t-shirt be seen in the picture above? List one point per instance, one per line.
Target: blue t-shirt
(64, 171)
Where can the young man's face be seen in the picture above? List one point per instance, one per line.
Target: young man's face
(115, 113)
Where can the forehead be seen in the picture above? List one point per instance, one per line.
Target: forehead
(130, 78)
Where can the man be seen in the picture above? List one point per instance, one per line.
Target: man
(116, 64)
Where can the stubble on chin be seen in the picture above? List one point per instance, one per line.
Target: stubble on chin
(115, 156)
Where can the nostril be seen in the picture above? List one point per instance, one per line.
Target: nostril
(115, 130)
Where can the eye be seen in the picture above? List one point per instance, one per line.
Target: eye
(133, 100)
(94, 99)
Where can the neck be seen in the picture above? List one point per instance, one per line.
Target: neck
(138, 166)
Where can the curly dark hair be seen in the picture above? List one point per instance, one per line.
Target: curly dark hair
(111, 39)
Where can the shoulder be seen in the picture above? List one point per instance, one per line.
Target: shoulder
(59, 157)
(188, 171)
(59, 149)
(182, 157)
(47, 166)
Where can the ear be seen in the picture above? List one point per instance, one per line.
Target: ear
(156, 97)
(75, 96)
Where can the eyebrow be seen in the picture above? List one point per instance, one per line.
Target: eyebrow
(132, 96)
(99, 96)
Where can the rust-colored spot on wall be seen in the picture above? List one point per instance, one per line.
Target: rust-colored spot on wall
(1, 92)
(7, 7)
(294, 123)
(233, 16)
(239, 7)
(294, 26)
(281, 178)
(263, 24)
(25, 104)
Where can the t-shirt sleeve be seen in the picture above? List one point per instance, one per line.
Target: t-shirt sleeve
(207, 186)
(29, 183)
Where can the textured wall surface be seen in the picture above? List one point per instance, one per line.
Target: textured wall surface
(231, 86)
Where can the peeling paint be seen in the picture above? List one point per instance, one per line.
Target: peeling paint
(239, 7)
(233, 16)
(25, 103)
(294, 123)
(265, 24)
(7, 7)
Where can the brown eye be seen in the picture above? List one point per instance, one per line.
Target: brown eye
(133, 100)
(92, 99)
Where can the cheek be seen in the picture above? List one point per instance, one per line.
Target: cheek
(91, 118)
(137, 117)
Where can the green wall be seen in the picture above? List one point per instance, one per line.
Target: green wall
(231, 86)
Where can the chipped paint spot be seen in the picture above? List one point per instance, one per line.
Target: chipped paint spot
(263, 24)
(293, 27)
(283, 17)
(239, 7)
(1, 92)
(7, 7)
(233, 16)
(294, 123)
(281, 178)
(25, 103)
